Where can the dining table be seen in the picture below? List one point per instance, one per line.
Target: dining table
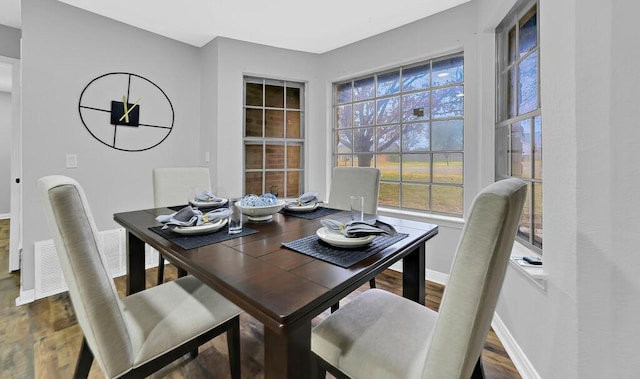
(261, 271)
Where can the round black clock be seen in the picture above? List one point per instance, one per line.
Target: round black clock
(126, 111)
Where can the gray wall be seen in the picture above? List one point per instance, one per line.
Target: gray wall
(9, 42)
(5, 153)
(55, 73)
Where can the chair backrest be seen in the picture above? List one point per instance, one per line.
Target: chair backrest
(475, 280)
(348, 181)
(91, 287)
(171, 184)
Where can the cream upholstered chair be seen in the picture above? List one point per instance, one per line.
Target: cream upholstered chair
(382, 335)
(139, 334)
(350, 181)
(170, 188)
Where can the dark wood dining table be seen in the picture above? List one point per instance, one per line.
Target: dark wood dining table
(281, 288)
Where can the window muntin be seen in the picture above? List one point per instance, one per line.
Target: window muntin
(409, 123)
(519, 122)
(273, 137)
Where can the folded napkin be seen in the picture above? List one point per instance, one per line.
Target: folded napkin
(188, 216)
(207, 196)
(307, 198)
(353, 229)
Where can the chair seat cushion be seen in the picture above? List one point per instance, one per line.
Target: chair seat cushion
(162, 317)
(372, 328)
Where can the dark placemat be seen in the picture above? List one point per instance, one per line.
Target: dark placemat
(316, 213)
(315, 247)
(195, 241)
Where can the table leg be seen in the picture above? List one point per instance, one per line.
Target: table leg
(287, 353)
(413, 275)
(135, 264)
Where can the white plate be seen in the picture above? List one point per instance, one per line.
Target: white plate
(339, 240)
(206, 204)
(301, 208)
(201, 229)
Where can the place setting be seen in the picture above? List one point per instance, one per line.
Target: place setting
(307, 206)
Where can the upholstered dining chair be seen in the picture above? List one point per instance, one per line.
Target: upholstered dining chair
(350, 181)
(141, 333)
(382, 335)
(170, 188)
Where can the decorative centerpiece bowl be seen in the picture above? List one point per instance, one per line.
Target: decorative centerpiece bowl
(260, 208)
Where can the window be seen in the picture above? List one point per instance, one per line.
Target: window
(409, 123)
(519, 121)
(273, 137)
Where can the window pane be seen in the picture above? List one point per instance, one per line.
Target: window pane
(524, 228)
(343, 116)
(447, 168)
(502, 148)
(528, 89)
(294, 156)
(446, 199)
(447, 135)
(363, 140)
(415, 106)
(447, 102)
(343, 93)
(275, 156)
(389, 194)
(274, 96)
(363, 89)
(254, 94)
(274, 182)
(415, 196)
(537, 214)
(416, 168)
(389, 165)
(294, 184)
(344, 161)
(389, 83)
(294, 122)
(253, 122)
(537, 145)
(448, 71)
(415, 137)
(388, 139)
(512, 44)
(521, 149)
(293, 98)
(416, 78)
(253, 183)
(364, 113)
(511, 93)
(274, 123)
(363, 160)
(343, 141)
(253, 157)
(528, 31)
(388, 110)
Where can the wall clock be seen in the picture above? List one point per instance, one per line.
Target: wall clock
(126, 111)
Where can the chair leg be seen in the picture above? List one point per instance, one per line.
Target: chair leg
(85, 358)
(478, 371)
(160, 269)
(335, 307)
(233, 344)
(372, 282)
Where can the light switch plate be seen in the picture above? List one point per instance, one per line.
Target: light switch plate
(72, 161)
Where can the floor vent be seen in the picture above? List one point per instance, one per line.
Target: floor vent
(48, 274)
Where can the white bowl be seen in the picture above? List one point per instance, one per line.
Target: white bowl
(264, 213)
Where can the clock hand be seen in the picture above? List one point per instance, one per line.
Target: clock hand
(125, 116)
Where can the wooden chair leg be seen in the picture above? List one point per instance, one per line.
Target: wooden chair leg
(160, 269)
(85, 358)
(478, 371)
(233, 344)
(372, 282)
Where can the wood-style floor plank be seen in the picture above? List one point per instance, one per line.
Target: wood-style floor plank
(42, 339)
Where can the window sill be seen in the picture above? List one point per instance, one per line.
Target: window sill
(535, 274)
(453, 222)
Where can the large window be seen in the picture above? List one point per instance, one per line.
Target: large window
(519, 121)
(409, 123)
(273, 137)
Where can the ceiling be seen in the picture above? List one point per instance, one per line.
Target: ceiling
(315, 27)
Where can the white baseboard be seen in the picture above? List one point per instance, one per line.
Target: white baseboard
(26, 297)
(519, 359)
(436, 276)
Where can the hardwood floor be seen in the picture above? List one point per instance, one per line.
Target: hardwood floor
(42, 339)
